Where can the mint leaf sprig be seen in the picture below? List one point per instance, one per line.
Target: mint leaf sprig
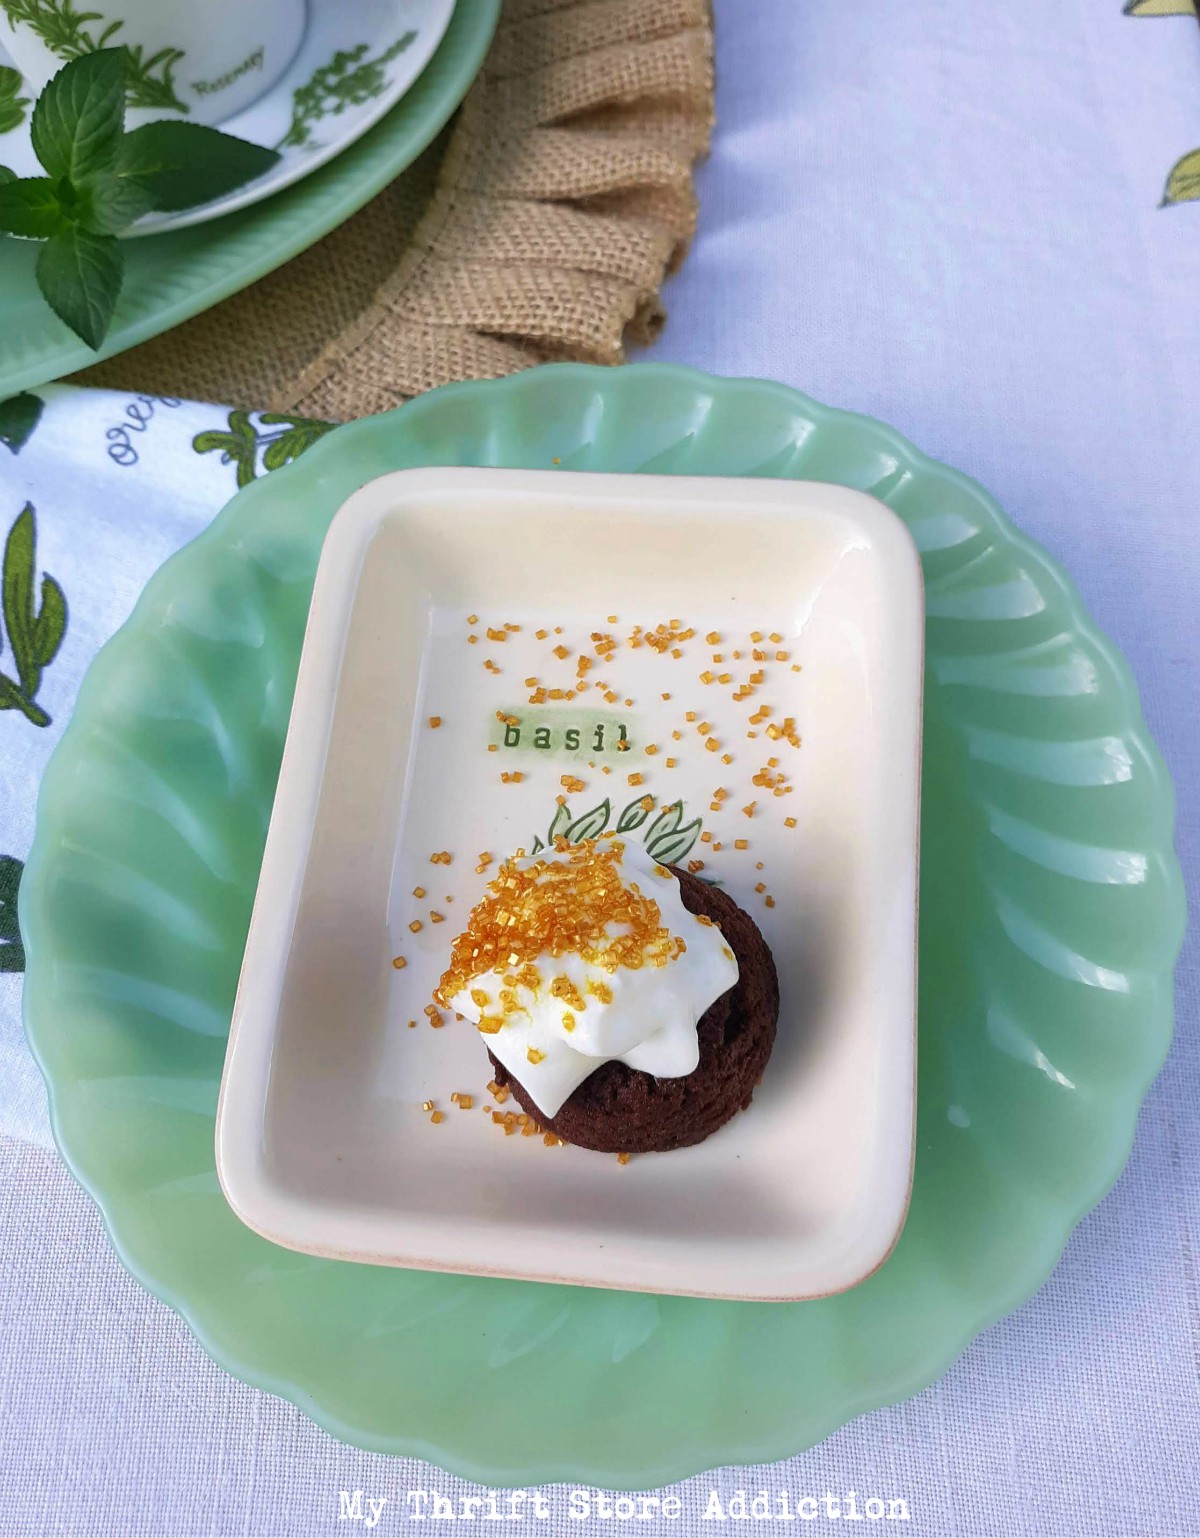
(99, 179)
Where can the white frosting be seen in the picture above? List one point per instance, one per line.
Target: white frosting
(650, 1023)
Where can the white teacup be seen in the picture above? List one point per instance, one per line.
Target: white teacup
(203, 59)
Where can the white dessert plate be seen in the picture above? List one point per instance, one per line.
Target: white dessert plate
(339, 1131)
(354, 63)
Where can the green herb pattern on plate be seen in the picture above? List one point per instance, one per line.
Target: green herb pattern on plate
(12, 103)
(149, 78)
(349, 79)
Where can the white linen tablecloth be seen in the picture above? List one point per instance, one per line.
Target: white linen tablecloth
(942, 214)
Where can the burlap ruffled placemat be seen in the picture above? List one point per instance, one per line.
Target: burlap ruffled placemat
(538, 228)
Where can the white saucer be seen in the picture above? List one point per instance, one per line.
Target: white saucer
(356, 61)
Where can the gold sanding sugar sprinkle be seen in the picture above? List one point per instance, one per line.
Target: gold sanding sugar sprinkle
(399, 963)
(760, 887)
(563, 988)
(472, 619)
(775, 636)
(572, 783)
(727, 758)
(718, 656)
(435, 721)
(708, 678)
(418, 891)
(491, 666)
(748, 809)
(691, 716)
(666, 696)
(622, 1158)
(741, 843)
(706, 838)
(497, 635)
(713, 638)
(535, 1055)
(671, 762)
(441, 857)
(677, 736)
(635, 778)
(427, 1105)
(724, 678)
(756, 635)
(789, 822)
(712, 744)
(436, 918)
(541, 634)
(770, 902)
(463, 1102)
(651, 748)
(472, 640)
(611, 620)
(513, 778)
(568, 1020)
(437, 1116)
(412, 1025)
(416, 926)
(695, 865)
(703, 918)
(567, 906)
(562, 651)
(600, 990)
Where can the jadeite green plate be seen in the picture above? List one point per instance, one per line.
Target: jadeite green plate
(173, 276)
(1051, 912)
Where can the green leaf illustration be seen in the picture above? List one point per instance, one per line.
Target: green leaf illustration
(537, 846)
(18, 417)
(34, 633)
(635, 814)
(241, 442)
(184, 164)
(66, 32)
(31, 208)
(6, 176)
(1160, 8)
(666, 822)
(76, 125)
(670, 848)
(12, 104)
(592, 824)
(237, 445)
(349, 79)
(12, 952)
(80, 275)
(559, 824)
(1183, 184)
(301, 434)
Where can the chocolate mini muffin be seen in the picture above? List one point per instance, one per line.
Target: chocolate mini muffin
(620, 1110)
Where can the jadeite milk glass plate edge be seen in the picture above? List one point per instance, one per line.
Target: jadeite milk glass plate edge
(661, 418)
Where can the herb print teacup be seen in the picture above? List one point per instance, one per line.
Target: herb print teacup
(203, 59)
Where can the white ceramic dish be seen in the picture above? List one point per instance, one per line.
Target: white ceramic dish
(322, 1142)
(354, 63)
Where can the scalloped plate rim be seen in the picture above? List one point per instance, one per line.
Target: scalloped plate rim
(1159, 1014)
